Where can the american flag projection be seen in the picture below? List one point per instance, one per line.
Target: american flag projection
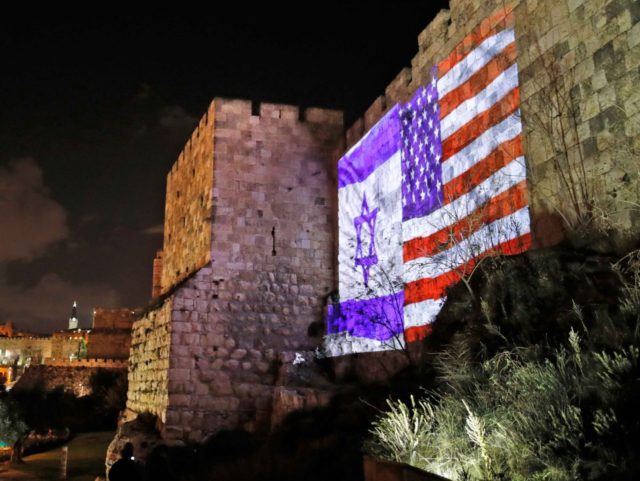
(438, 184)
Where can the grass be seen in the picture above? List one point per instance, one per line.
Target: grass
(552, 410)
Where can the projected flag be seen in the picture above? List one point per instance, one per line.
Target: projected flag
(369, 315)
(436, 185)
(464, 189)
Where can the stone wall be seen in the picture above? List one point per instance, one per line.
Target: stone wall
(110, 337)
(188, 206)
(596, 44)
(249, 236)
(36, 348)
(273, 230)
(105, 363)
(73, 378)
(156, 280)
(271, 268)
(67, 344)
(60, 345)
(6, 329)
(591, 48)
(149, 362)
(109, 344)
(113, 318)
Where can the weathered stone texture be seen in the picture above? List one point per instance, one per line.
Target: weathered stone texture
(249, 231)
(75, 379)
(149, 362)
(156, 282)
(271, 266)
(113, 318)
(37, 348)
(188, 207)
(109, 344)
(110, 337)
(61, 345)
(593, 48)
(206, 360)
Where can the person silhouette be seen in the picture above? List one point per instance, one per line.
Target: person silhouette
(125, 468)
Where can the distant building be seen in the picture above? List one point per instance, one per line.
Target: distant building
(73, 320)
(6, 329)
(109, 338)
(110, 335)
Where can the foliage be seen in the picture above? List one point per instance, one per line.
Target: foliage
(12, 426)
(108, 393)
(542, 411)
(48, 409)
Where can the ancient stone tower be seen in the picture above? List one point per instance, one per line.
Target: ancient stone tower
(249, 251)
(246, 265)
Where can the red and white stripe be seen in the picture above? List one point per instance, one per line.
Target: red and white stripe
(485, 207)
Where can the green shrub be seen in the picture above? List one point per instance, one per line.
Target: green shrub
(546, 411)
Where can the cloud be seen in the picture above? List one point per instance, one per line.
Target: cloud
(46, 306)
(144, 91)
(30, 220)
(157, 229)
(176, 118)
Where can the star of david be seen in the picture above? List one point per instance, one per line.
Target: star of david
(370, 258)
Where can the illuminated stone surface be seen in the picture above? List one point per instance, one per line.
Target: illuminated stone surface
(251, 231)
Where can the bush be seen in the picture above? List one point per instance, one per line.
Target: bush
(545, 411)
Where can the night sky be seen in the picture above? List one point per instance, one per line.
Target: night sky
(94, 111)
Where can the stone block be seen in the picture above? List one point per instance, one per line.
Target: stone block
(239, 354)
(590, 108)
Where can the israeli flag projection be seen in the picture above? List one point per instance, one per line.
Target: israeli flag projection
(438, 184)
(369, 314)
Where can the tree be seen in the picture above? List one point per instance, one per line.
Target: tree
(471, 229)
(591, 201)
(13, 430)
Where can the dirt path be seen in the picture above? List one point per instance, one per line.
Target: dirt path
(86, 461)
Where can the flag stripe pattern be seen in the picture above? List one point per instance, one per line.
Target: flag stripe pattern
(369, 316)
(435, 186)
(464, 175)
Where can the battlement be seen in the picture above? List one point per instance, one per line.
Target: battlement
(257, 110)
(292, 114)
(19, 340)
(250, 226)
(91, 363)
(113, 318)
(580, 39)
(241, 127)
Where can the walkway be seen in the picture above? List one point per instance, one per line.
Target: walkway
(86, 461)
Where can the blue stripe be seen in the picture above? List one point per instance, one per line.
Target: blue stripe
(375, 148)
(380, 318)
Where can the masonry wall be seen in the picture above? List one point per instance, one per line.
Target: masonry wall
(596, 47)
(109, 344)
(273, 230)
(110, 337)
(271, 268)
(75, 379)
(250, 235)
(113, 318)
(38, 348)
(188, 207)
(103, 363)
(597, 43)
(156, 280)
(65, 344)
(149, 362)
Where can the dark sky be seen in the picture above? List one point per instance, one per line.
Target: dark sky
(94, 111)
